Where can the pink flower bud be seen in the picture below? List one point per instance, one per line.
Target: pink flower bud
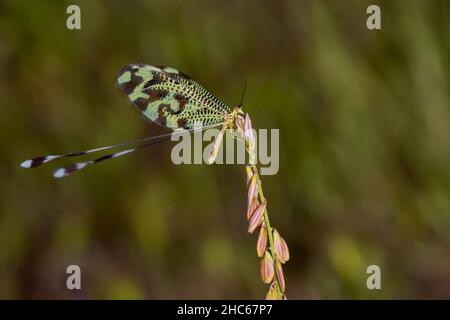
(280, 246)
(251, 209)
(261, 245)
(267, 269)
(249, 171)
(249, 135)
(252, 190)
(280, 275)
(257, 217)
(247, 123)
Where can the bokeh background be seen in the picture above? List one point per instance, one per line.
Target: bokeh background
(364, 149)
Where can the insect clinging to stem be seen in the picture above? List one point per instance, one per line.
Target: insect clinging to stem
(167, 97)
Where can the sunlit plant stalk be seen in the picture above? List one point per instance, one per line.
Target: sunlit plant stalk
(277, 253)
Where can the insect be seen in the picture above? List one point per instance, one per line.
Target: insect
(166, 96)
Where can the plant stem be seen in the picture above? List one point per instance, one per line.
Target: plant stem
(268, 227)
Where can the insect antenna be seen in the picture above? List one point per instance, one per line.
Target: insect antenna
(243, 95)
(257, 86)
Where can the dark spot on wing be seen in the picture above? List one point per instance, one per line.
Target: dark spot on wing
(37, 161)
(158, 94)
(182, 123)
(129, 86)
(156, 79)
(161, 120)
(70, 169)
(141, 103)
(182, 100)
(153, 95)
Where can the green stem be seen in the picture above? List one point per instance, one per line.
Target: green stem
(266, 215)
(269, 228)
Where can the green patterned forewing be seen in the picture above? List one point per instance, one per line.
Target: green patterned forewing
(170, 98)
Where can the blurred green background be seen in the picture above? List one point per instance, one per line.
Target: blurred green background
(364, 149)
